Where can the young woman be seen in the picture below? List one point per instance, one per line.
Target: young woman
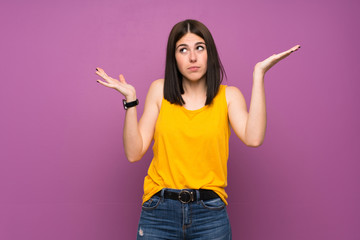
(189, 114)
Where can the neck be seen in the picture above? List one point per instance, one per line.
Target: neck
(194, 87)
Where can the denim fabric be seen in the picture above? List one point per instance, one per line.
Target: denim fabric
(170, 219)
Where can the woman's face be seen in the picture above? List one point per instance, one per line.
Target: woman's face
(191, 57)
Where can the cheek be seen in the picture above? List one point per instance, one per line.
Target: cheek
(205, 62)
(179, 62)
(205, 57)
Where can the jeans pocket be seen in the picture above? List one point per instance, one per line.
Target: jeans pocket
(152, 203)
(213, 204)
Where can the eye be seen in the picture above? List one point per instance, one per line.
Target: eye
(183, 50)
(200, 48)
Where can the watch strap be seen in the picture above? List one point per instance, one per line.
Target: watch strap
(128, 105)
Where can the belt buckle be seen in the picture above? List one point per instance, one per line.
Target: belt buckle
(186, 196)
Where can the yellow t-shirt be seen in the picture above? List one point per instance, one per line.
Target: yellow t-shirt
(191, 148)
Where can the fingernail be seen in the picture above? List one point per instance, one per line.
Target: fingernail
(97, 81)
(97, 69)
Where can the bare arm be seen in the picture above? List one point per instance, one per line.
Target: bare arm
(137, 136)
(250, 126)
(145, 127)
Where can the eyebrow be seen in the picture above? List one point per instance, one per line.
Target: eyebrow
(185, 45)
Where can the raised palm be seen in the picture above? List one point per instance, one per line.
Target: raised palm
(120, 85)
(264, 66)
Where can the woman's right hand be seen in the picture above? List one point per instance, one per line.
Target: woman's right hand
(125, 89)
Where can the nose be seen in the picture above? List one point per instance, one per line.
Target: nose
(192, 56)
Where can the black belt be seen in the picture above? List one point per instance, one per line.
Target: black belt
(189, 195)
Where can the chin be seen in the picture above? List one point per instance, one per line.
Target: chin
(194, 78)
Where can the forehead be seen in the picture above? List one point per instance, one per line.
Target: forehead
(189, 39)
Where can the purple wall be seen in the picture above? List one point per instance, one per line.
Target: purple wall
(63, 174)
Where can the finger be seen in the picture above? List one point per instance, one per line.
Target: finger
(288, 52)
(104, 83)
(107, 78)
(284, 54)
(120, 88)
(101, 73)
(295, 48)
(122, 79)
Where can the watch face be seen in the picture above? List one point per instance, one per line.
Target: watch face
(125, 106)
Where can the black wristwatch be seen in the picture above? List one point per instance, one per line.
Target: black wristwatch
(130, 104)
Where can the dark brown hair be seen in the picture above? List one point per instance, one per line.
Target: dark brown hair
(215, 73)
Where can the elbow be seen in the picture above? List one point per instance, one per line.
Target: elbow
(133, 158)
(255, 143)
(254, 140)
(133, 154)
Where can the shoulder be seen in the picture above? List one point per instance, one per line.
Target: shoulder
(159, 83)
(231, 90)
(233, 94)
(156, 92)
(157, 88)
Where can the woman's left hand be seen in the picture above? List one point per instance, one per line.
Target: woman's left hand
(264, 66)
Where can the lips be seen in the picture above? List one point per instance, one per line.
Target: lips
(193, 68)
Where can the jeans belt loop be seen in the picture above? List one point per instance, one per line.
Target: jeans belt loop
(197, 195)
(186, 196)
(162, 193)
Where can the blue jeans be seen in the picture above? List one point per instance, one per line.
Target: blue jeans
(170, 219)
